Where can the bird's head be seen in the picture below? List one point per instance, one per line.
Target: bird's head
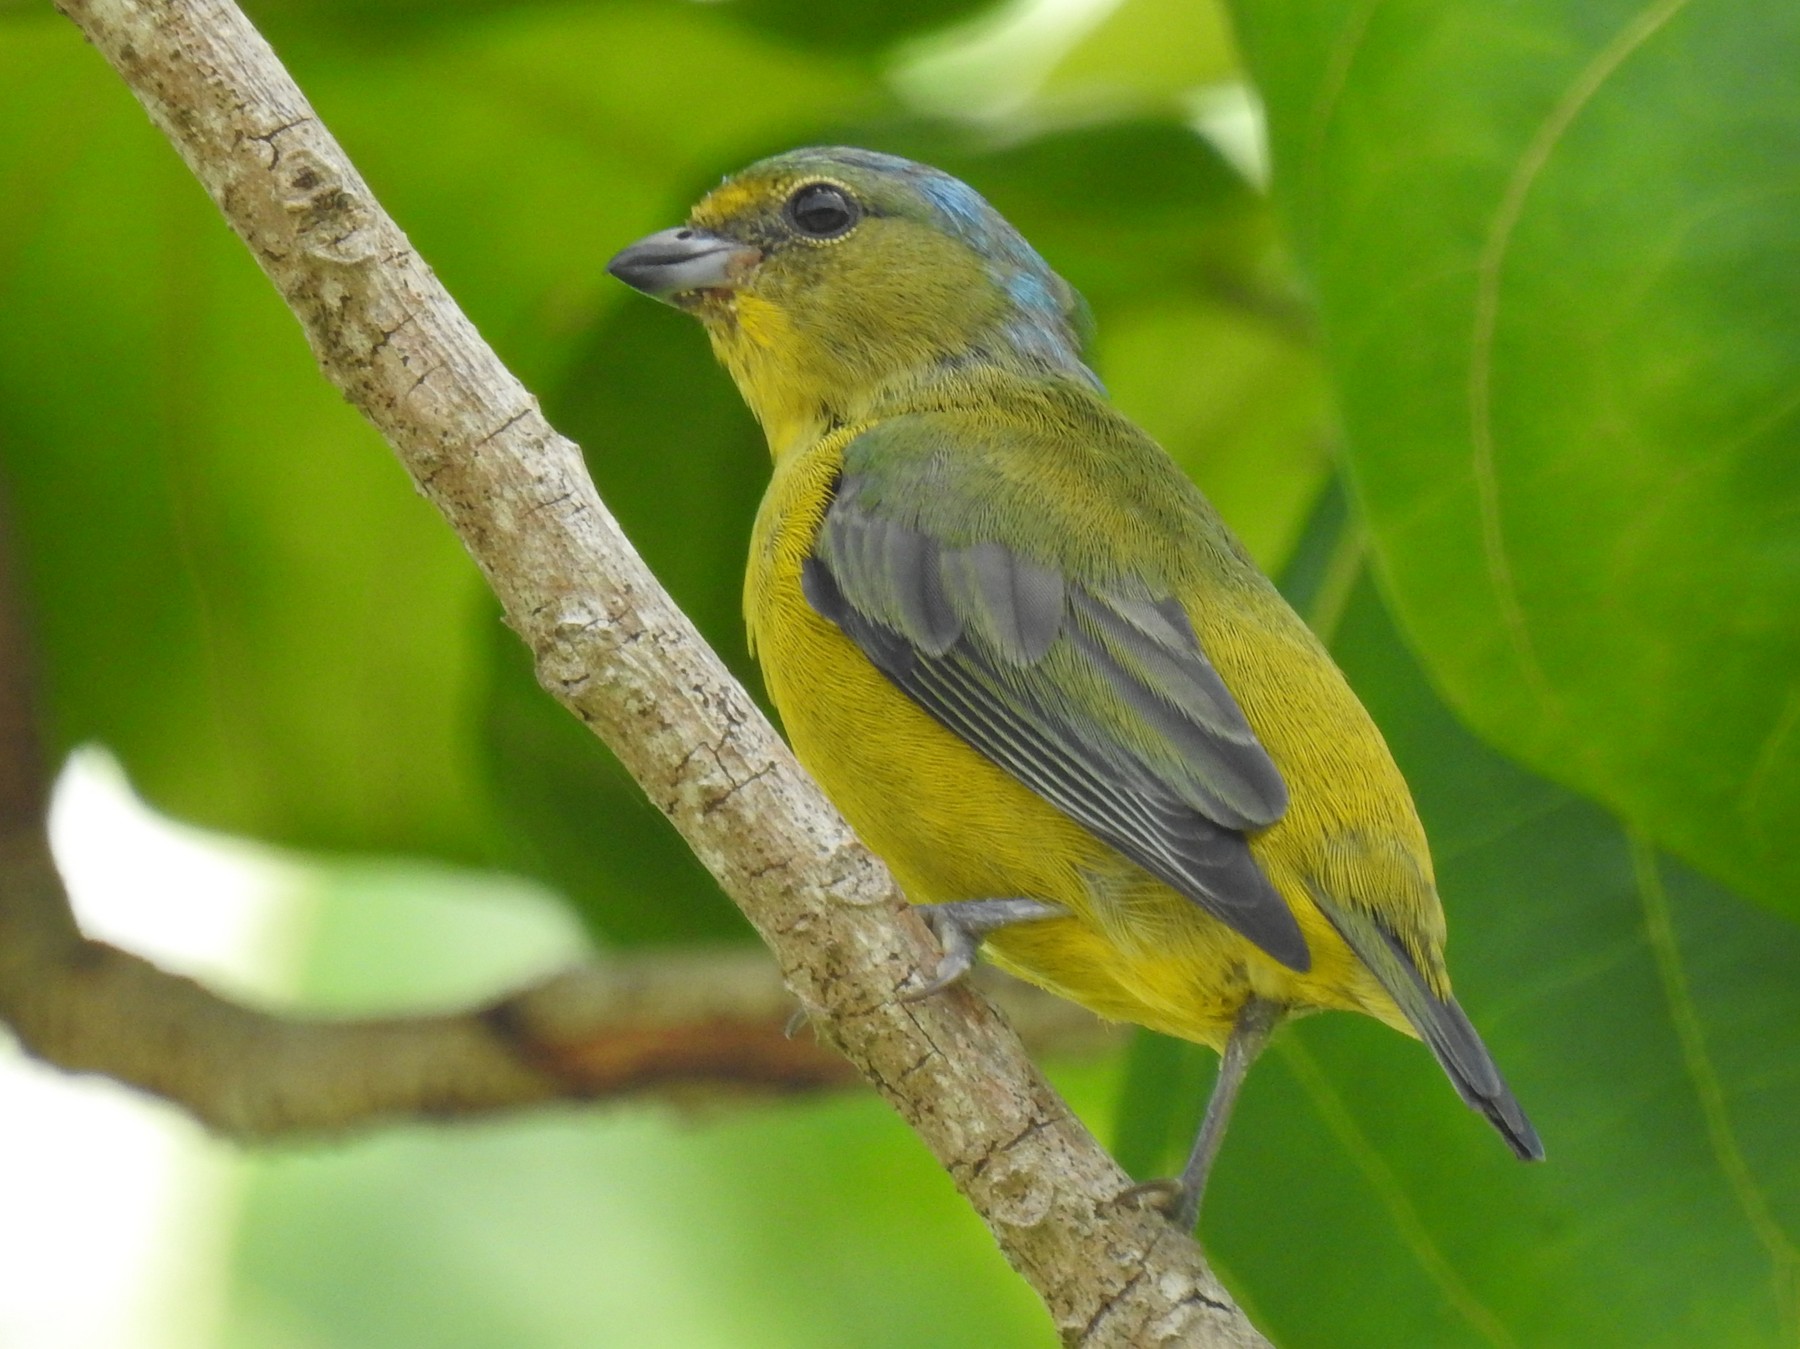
(833, 279)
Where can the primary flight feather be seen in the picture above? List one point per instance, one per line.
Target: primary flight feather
(1026, 658)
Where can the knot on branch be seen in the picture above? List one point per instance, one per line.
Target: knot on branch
(333, 223)
(563, 646)
(1018, 1194)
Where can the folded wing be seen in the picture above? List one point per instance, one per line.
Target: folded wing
(1096, 696)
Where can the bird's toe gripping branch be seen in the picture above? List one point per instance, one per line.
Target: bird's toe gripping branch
(960, 927)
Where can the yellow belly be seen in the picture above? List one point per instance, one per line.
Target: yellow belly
(952, 825)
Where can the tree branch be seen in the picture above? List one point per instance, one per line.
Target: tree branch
(612, 647)
(684, 1027)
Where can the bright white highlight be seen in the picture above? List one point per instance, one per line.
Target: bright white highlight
(117, 1210)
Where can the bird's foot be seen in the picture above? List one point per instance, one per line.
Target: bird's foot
(1179, 1202)
(962, 924)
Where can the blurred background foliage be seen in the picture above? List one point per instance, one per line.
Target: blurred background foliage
(1528, 276)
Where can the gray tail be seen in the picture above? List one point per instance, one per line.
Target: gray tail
(1441, 1024)
(1472, 1072)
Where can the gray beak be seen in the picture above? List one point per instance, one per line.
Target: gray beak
(673, 261)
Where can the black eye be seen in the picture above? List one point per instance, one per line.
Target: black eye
(822, 211)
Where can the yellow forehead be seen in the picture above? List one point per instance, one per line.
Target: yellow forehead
(732, 199)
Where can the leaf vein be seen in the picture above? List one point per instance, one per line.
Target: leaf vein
(1769, 755)
(1327, 101)
(1507, 214)
(1413, 1232)
(1709, 1091)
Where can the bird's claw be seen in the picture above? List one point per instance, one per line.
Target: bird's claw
(960, 926)
(1168, 1196)
(960, 946)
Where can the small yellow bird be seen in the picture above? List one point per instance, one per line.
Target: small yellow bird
(1023, 654)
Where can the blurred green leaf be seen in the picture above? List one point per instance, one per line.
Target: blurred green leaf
(1136, 208)
(522, 151)
(233, 584)
(866, 29)
(1238, 398)
(835, 31)
(1148, 52)
(1161, 1100)
(1557, 250)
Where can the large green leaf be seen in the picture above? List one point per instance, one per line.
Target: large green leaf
(1650, 1022)
(1557, 250)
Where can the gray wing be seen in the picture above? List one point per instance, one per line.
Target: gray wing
(1098, 698)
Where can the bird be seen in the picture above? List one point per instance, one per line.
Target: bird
(1026, 658)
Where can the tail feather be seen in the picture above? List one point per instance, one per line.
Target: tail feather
(1471, 1070)
(1442, 1024)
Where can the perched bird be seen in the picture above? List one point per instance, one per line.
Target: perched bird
(1024, 655)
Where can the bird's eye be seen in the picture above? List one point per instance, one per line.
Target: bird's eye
(822, 211)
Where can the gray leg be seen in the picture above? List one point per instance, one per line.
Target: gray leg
(1180, 1198)
(960, 926)
(1256, 1019)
